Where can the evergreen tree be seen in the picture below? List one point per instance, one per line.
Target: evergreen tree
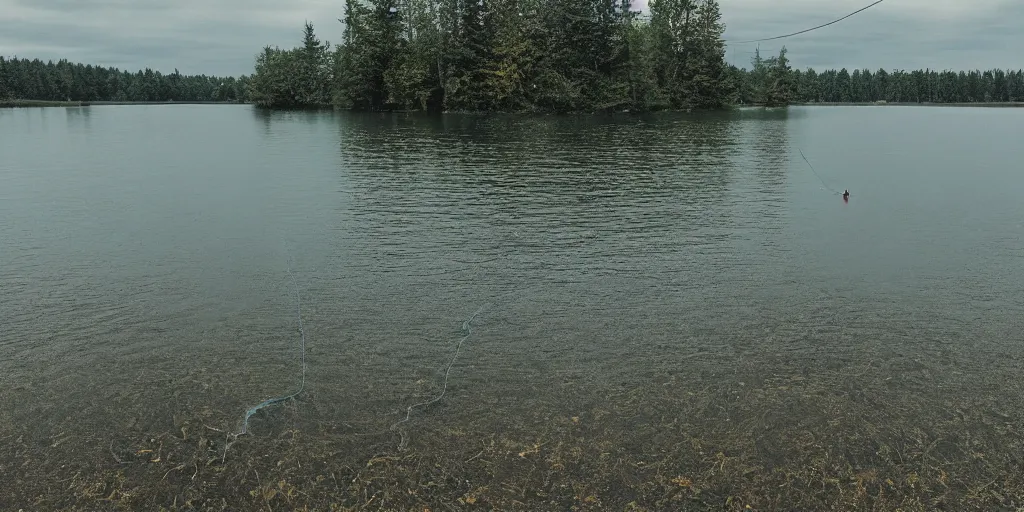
(843, 86)
(779, 89)
(644, 94)
(415, 80)
(758, 78)
(299, 77)
(5, 92)
(806, 86)
(350, 71)
(473, 61)
(316, 69)
(673, 22)
(1015, 86)
(515, 53)
(880, 87)
(277, 81)
(705, 76)
(857, 86)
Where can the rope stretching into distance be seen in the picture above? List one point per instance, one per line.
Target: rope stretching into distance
(834, 191)
(302, 337)
(467, 327)
(811, 29)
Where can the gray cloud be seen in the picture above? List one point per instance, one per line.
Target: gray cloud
(223, 36)
(898, 34)
(195, 36)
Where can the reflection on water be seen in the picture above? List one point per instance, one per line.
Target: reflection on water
(675, 314)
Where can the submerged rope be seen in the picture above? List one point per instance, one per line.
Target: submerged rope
(811, 29)
(467, 327)
(834, 191)
(302, 337)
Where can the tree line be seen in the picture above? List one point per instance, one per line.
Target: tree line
(772, 82)
(514, 56)
(506, 55)
(921, 86)
(64, 81)
(569, 56)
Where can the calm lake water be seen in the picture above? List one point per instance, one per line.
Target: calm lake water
(672, 312)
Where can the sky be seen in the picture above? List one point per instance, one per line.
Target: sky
(222, 37)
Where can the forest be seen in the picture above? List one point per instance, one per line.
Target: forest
(515, 56)
(64, 81)
(898, 86)
(506, 55)
(570, 56)
(865, 86)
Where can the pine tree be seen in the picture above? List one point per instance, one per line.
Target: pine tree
(779, 88)
(5, 71)
(705, 74)
(273, 83)
(413, 79)
(1015, 85)
(644, 92)
(315, 69)
(346, 91)
(673, 22)
(515, 53)
(372, 45)
(758, 88)
(473, 63)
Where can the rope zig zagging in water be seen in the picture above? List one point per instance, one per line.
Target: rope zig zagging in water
(302, 386)
(467, 327)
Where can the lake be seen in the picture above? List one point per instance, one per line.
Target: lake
(658, 312)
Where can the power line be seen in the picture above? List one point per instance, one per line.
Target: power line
(810, 29)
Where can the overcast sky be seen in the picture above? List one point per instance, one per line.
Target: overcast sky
(222, 36)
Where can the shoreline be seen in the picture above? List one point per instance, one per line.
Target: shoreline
(47, 103)
(15, 103)
(991, 104)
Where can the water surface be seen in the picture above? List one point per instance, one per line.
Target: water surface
(674, 311)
